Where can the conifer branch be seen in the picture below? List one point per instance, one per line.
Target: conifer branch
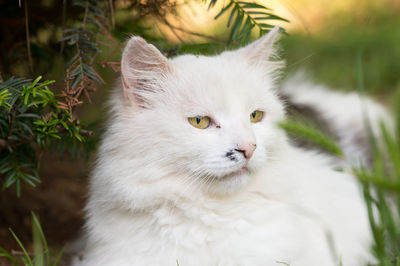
(244, 17)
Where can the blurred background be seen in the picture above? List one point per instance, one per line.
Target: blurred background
(329, 40)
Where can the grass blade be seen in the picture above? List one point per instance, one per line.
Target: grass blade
(312, 135)
(4, 253)
(26, 256)
(36, 227)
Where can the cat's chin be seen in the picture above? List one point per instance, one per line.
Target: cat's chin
(241, 173)
(230, 183)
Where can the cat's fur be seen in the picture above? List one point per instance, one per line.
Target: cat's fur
(163, 191)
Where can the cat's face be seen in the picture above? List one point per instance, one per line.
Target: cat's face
(212, 119)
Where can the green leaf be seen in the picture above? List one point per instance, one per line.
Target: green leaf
(41, 243)
(26, 255)
(4, 253)
(58, 257)
(26, 98)
(4, 96)
(223, 10)
(212, 3)
(257, 13)
(72, 60)
(251, 5)
(270, 16)
(252, 13)
(266, 26)
(236, 26)
(378, 181)
(35, 82)
(392, 147)
(312, 135)
(233, 13)
(246, 30)
(10, 179)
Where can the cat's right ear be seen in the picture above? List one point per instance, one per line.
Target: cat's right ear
(261, 50)
(142, 65)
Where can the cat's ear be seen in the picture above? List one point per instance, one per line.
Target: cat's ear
(262, 49)
(142, 65)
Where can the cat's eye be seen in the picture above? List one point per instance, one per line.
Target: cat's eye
(201, 122)
(256, 116)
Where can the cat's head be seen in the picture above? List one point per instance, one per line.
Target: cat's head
(209, 121)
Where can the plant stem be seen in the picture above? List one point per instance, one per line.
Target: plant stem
(28, 39)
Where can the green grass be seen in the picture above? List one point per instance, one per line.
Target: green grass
(41, 255)
(329, 54)
(367, 60)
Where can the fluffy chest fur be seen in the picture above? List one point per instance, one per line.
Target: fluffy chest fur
(194, 170)
(281, 217)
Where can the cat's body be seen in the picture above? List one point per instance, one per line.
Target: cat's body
(286, 216)
(234, 193)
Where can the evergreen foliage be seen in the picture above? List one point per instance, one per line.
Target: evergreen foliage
(244, 17)
(30, 119)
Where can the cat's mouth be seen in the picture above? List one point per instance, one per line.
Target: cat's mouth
(241, 172)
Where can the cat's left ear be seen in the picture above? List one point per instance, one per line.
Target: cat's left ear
(262, 49)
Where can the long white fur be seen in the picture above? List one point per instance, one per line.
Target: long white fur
(159, 193)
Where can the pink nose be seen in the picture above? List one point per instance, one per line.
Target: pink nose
(247, 149)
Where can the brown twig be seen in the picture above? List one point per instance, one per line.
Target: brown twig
(28, 39)
(64, 13)
(84, 132)
(24, 141)
(3, 144)
(110, 3)
(172, 29)
(118, 47)
(19, 253)
(11, 117)
(86, 13)
(115, 66)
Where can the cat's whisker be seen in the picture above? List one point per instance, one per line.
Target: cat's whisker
(191, 179)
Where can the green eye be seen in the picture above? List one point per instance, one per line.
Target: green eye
(256, 116)
(201, 122)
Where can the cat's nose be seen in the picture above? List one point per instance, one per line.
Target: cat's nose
(247, 149)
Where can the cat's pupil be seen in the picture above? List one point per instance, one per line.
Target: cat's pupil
(253, 114)
(198, 120)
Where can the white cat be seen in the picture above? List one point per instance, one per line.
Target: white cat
(194, 170)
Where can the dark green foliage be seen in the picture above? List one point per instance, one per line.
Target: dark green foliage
(381, 185)
(83, 38)
(244, 17)
(380, 181)
(29, 119)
